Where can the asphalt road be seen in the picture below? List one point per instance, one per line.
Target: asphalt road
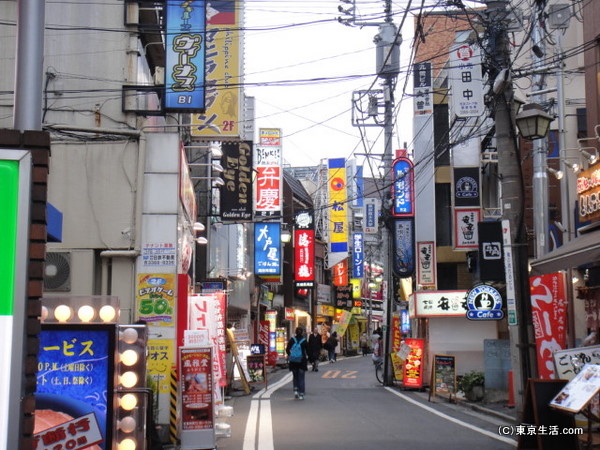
(346, 408)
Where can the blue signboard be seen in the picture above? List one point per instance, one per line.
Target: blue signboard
(371, 216)
(358, 255)
(404, 321)
(185, 49)
(404, 244)
(484, 302)
(76, 373)
(267, 248)
(402, 193)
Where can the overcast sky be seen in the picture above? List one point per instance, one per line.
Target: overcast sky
(302, 66)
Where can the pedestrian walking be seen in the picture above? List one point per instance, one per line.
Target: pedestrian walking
(364, 344)
(315, 344)
(330, 346)
(297, 350)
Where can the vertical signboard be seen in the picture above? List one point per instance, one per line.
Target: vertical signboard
(155, 298)
(466, 81)
(358, 255)
(465, 228)
(466, 187)
(196, 387)
(268, 166)
(404, 244)
(549, 316)
(340, 273)
(236, 194)
(338, 209)
(15, 179)
(185, 49)
(267, 249)
(76, 376)
(415, 363)
(426, 264)
(423, 93)
(491, 263)
(304, 249)
(403, 188)
(223, 88)
(371, 216)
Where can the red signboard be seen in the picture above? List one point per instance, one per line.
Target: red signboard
(549, 314)
(340, 273)
(396, 334)
(304, 258)
(414, 364)
(263, 333)
(196, 388)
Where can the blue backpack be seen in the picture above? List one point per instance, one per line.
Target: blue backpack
(296, 352)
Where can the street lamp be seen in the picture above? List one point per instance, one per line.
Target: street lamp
(533, 121)
(286, 234)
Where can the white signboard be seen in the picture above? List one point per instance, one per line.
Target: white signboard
(426, 264)
(466, 81)
(569, 362)
(580, 390)
(439, 303)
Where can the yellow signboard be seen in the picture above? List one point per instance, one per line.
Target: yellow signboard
(161, 357)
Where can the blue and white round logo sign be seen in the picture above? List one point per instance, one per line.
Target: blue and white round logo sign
(484, 302)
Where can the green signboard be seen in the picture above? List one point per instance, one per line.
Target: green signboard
(9, 186)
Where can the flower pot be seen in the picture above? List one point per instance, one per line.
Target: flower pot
(475, 394)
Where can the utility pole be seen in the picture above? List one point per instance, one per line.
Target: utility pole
(512, 192)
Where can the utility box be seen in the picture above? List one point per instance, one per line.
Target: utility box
(388, 50)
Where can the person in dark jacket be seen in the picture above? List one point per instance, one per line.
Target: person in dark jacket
(331, 345)
(298, 368)
(315, 344)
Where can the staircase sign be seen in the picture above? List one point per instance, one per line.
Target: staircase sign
(484, 302)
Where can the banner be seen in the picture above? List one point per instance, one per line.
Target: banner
(343, 322)
(196, 386)
(414, 364)
(236, 194)
(155, 298)
(338, 207)
(549, 315)
(160, 359)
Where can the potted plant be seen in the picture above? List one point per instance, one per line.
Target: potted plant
(471, 383)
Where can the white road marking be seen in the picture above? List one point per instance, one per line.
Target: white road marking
(265, 430)
(250, 434)
(452, 419)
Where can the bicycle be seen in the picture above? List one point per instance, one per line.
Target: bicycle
(379, 370)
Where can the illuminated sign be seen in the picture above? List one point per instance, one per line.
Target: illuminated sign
(304, 249)
(185, 49)
(403, 188)
(267, 248)
(338, 212)
(358, 255)
(404, 243)
(371, 216)
(268, 181)
(236, 194)
(588, 193)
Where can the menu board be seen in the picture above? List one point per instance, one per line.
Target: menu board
(444, 374)
(414, 364)
(579, 391)
(256, 368)
(569, 362)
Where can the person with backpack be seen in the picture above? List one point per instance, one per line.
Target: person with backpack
(297, 350)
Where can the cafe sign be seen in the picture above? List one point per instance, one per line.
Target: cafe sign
(588, 193)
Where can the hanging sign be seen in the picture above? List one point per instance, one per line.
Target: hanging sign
(404, 243)
(426, 264)
(465, 228)
(484, 302)
(403, 188)
(267, 248)
(236, 193)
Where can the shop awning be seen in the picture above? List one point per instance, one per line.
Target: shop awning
(582, 250)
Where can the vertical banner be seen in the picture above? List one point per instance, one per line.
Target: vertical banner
(465, 228)
(271, 317)
(467, 187)
(549, 315)
(491, 261)
(236, 194)
(414, 364)
(268, 166)
(343, 322)
(161, 357)
(404, 244)
(304, 249)
(357, 185)
(403, 188)
(371, 216)
(338, 212)
(466, 82)
(155, 299)
(267, 249)
(358, 256)
(426, 264)
(340, 273)
(185, 49)
(223, 87)
(423, 93)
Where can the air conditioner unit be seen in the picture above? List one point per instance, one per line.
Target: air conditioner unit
(159, 76)
(57, 272)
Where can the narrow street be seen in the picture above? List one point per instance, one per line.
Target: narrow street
(345, 407)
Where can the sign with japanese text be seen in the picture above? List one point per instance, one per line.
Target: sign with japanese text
(269, 175)
(159, 254)
(444, 374)
(404, 321)
(340, 273)
(185, 49)
(343, 297)
(569, 362)
(358, 255)
(467, 187)
(223, 90)
(396, 336)
(155, 298)
(404, 244)
(304, 249)
(186, 187)
(423, 92)
(267, 248)
(549, 316)
(82, 432)
(426, 264)
(196, 386)
(236, 193)
(256, 368)
(439, 303)
(579, 391)
(466, 82)
(371, 216)
(414, 364)
(343, 322)
(465, 228)
(403, 189)
(271, 317)
(356, 186)
(338, 206)
(588, 193)
(160, 359)
(491, 259)
(76, 375)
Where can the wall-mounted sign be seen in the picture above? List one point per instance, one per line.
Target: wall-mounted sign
(268, 182)
(403, 188)
(484, 302)
(358, 255)
(371, 216)
(338, 209)
(236, 193)
(466, 81)
(404, 244)
(465, 228)
(304, 249)
(466, 187)
(426, 264)
(340, 273)
(438, 304)
(588, 193)
(185, 48)
(423, 92)
(343, 297)
(491, 253)
(267, 248)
